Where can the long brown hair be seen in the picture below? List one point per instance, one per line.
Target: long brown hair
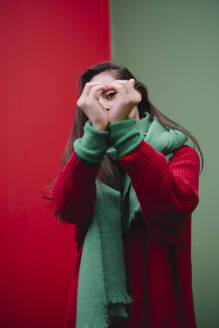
(110, 171)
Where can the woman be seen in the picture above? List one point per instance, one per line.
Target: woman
(128, 184)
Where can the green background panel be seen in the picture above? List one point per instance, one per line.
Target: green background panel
(173, 47)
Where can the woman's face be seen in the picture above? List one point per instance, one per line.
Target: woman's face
(108, 98)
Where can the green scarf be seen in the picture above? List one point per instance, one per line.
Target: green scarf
(102, 294)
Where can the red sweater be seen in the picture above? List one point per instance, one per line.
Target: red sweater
(158, 254)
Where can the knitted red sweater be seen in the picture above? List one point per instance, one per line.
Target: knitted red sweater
(157, 254)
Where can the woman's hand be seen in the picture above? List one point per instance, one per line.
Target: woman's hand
(89, 103)
(126, 98)
(104, 104)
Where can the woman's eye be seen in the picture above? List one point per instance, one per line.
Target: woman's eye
(110, 94)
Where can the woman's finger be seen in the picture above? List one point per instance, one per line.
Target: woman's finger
(132, 82)
(96, 91)
(117, 85)
(135, 94)
(128, 85)
(89, 86)
(129, 92)
(89, 94)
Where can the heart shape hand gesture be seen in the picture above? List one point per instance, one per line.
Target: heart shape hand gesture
(104, 104)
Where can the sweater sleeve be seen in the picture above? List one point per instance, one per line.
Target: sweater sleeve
(167, 192)
(74, 196)
(75, 186)
(74, 192)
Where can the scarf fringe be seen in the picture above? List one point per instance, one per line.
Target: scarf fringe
(122, 300)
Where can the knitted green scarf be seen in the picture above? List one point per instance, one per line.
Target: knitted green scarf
(102, 294)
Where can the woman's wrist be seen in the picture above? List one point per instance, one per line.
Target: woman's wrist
(100, 126)
(93, 145)
(124, 137)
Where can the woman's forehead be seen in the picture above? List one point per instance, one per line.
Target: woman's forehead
(103, 77)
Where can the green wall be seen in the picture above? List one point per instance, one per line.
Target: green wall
(173, 47)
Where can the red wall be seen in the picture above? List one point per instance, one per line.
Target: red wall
(45, 45)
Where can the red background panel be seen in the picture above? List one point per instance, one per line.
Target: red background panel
(45, 46)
